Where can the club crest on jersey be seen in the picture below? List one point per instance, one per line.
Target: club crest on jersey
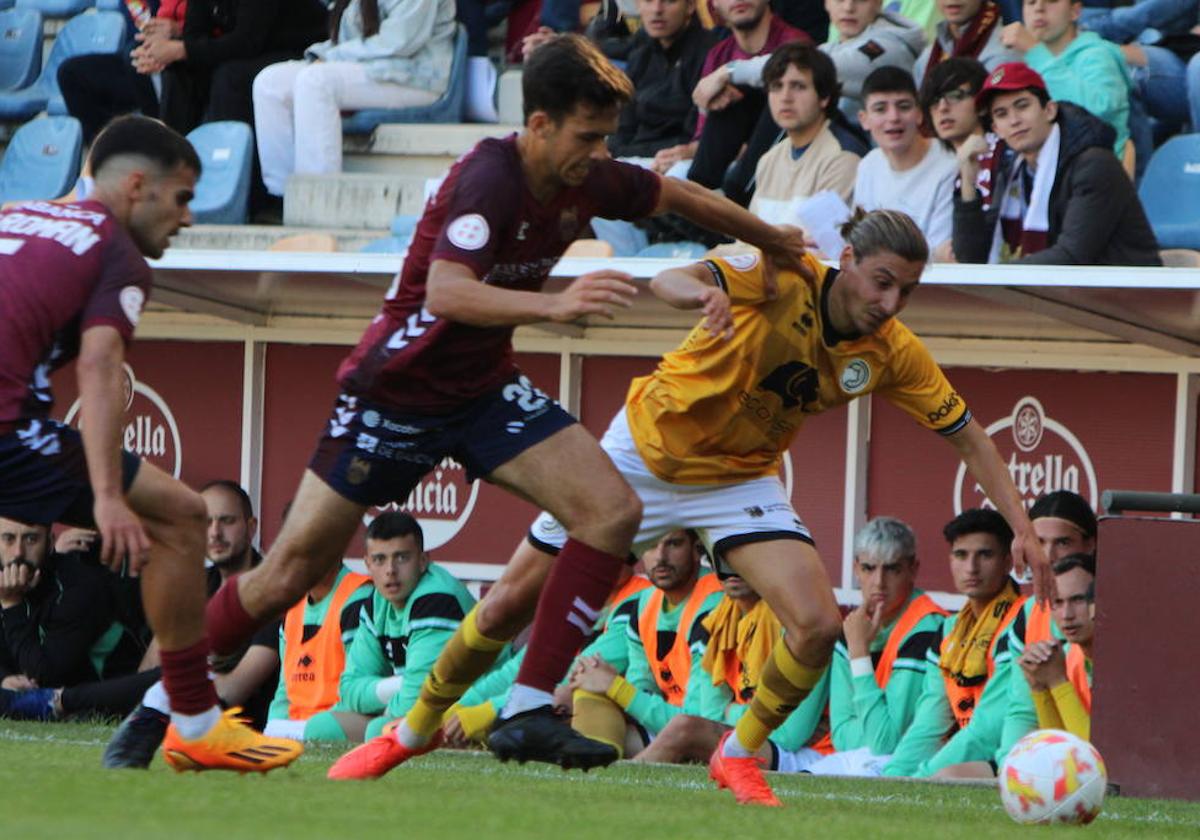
(469, 232)
(132, 299)
(856, 376)
(742, 262)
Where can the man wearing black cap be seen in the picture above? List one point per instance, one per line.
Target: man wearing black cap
(1060, 197)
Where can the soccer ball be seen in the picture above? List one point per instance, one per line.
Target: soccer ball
(1051, 776)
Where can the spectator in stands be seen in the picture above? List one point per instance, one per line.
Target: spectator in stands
(1079, 67)
(382, 54)
(970, 653)
(907, 171)
(664, 65)
(98, 87)
(734, 109)
(415, 609)
(948, 100)
(665, 645)
(312, 652)
(480, 100)
(802, 93)
(879, 666)
(1065, 198)
(864, 37)
(58, 617)
(1165, 89)
(971, 29)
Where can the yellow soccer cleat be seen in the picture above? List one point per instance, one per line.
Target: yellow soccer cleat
(230, 745)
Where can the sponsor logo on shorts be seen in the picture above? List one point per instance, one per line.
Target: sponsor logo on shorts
(742, 262)
(469, 232)
(856, 376)
(132, 299)
(371, 419)
(1042, 456)
(366, 442)
(358, 471)
(755, 511)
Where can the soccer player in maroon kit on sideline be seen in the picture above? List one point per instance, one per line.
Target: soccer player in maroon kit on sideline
(433, 376)
(73, 280)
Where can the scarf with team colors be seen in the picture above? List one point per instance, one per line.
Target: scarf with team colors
(971, 43)
(734, 637)
(965, 651)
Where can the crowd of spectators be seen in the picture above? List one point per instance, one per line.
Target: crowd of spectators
(914, 688)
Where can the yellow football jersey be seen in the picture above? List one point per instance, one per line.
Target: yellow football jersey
(717, 411)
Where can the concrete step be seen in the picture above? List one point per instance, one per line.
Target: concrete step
(351, 200)
(262, 237)
(417, 151)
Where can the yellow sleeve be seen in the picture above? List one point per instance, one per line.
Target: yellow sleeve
(1047, 711)
(738, 275)
(917, 386)
(1075, 718)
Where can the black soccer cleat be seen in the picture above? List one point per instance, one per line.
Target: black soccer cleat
(136, 740)
(541, 735)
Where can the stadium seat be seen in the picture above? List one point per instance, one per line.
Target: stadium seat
(20, 48)
(405, 225)
(322, 243)
(42, 159)
(386, 245)
(226, 152)
(110, 5)
(1170, 192)
(447, 109)
(95, 32)
(56, 8)
(674, 250)
(7, 4)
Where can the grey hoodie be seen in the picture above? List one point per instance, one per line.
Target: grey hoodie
(891, 41)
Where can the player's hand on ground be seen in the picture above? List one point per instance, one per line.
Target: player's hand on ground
(121, 534)
(15, 580)
(595, 675)
(18, 682)
(860, 627)
(453, 733)
(718, 313)
(595, 293)
(1029, 559)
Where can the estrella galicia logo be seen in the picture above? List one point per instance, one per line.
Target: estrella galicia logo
(795, 382)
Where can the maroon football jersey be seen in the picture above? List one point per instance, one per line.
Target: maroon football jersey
(63, 268)
(485, 218)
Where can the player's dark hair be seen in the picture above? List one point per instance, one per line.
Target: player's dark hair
(805, 57)
(1080, 560)
(568, 71)
(236, 489)
(144, 137)
(1063, 504)
(880, 231)
(946, 76)
(888, 80)
(396, 523)
(979, 521)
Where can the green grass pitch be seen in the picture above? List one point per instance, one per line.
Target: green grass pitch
(51, 786)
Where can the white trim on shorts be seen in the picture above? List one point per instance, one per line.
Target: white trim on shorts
(725, 515)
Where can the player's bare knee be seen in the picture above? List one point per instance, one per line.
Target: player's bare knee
(503, 612)
(813, 637)
(625, 514)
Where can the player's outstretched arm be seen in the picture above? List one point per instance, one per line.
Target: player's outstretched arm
(101, 390)
(784, 245)
(691, 287)
(984, 462)
(454, 292)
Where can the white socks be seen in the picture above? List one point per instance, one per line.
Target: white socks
(733, 748)
(407, 738)
(523, 698)
(191, 727)
(481, 90)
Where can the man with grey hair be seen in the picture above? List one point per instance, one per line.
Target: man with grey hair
(879, 663)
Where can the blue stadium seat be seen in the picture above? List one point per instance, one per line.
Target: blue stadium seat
(56, 8)
(20, 48)
(1170, 192)
(95, 32)
(110, 5)
(405, 225)
(226, 151)
(674, 250)
(7, 4)
(448, 108)
(386, 245)
(42, 159)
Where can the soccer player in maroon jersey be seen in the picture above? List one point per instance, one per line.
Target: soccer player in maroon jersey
(434, 377)
(73, 280)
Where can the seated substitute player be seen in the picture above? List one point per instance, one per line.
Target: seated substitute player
(879, 666)
(743, 631)
(702, 437)
(72, 284)
(415, 609)
(970, 657)
(665, 640)
(434, 376)
(312, 652)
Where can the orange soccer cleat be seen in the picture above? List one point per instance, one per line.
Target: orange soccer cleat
(377, 756)
(743, 776)
(230, 745)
